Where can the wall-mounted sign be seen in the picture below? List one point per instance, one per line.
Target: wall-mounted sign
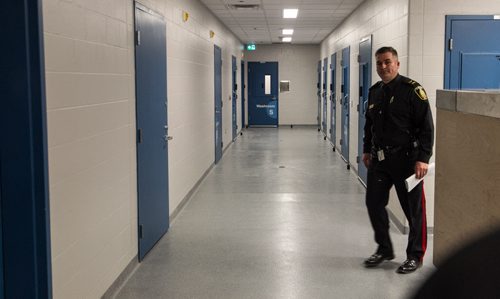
(251, 47)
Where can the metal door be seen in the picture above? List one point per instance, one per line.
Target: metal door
(263, 94)
(333, 101)
(152, 129)
(472, 55)
(365, 67)
(345, 102)
(234, 96)
(242, 94)
(218, 102)
(325, 103)
(318, 93)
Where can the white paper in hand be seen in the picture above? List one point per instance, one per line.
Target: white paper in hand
(412, 181)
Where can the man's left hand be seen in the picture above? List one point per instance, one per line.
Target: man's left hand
(421, 169)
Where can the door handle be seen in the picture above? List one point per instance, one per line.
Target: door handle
(167, 138)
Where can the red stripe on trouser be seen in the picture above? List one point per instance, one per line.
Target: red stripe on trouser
(424, 224)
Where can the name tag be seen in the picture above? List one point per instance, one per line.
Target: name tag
(380, 155)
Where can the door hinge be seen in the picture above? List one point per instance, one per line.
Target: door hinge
(139, 136)
(359, 58)
(357, 159)
(137, 37)
(360, 91)
(340, 141)
(450, 44)
(342, 88)
(222, 145)
(140, 231)
(357, 107)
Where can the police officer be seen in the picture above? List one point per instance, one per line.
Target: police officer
(399, 135)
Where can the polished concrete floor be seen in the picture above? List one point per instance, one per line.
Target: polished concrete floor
(280, 216)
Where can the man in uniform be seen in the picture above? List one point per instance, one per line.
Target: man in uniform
(398, 140)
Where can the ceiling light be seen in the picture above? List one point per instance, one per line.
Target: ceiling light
(290, 13)
(287, 31)
(286, 39)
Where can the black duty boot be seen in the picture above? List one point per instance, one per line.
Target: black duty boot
(377, 258)
(408, 266)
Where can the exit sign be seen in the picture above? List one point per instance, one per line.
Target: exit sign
(251, 47)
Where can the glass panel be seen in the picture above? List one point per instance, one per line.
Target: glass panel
(267, 84)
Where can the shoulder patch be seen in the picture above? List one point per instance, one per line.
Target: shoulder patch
(419, 90)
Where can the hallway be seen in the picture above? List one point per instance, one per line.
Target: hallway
(278, 217)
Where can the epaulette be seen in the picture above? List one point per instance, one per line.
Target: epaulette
(376, 85)
(417, 88)
(411, 82)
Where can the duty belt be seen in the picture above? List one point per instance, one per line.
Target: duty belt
(388, 150)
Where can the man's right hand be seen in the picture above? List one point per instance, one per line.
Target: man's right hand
(367, 159)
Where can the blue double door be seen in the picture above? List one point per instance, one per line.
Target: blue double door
(152, 128)
(263, 94)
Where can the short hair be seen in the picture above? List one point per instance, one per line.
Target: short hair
(385, 50)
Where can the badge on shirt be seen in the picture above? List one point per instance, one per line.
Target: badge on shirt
(419, 90)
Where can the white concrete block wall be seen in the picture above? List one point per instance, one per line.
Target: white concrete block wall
(297, 63)
(387, 22)
(89, 56)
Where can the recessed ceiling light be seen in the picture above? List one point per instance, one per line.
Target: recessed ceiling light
(290, 13)
(287, 31)
(287, 39)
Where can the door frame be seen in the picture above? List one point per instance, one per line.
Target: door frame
(364, 62)
(218, 141)
(324, 115)
(333, 100)
(25, 227)
(242, 94)
(234, 97)
(318, 93)
(346, 102)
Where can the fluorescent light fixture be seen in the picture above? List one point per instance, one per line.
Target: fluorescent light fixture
(290, 13)
(286, 39)
(287, 31)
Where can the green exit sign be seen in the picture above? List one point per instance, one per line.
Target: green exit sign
(251, 47)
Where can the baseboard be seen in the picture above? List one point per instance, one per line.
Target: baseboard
(191, 192)
(122, 279)
(117, 285)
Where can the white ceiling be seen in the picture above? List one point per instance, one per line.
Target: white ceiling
(316, 19)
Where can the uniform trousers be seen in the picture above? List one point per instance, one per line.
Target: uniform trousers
(382, 175)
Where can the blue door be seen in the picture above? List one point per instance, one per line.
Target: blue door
(318, 93)
(152, 129)
(325, 103)
(242, 94)
(345, 102)
(365, 68)
(333, 102)
(263, 94)
(218, 102)
(234, 96)
(472, 55)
